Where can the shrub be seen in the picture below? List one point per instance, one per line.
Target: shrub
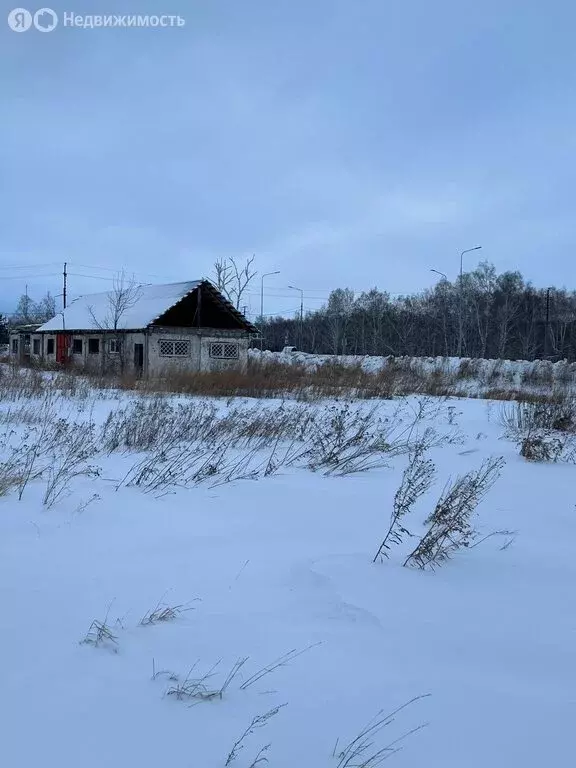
(541, 448)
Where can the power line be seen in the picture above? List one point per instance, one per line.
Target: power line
(116, 270)
(268, 295)
(30, 266)
(271, 314)
(28, 277)
(92, 277)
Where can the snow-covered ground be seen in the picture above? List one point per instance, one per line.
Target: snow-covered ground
(267, 565)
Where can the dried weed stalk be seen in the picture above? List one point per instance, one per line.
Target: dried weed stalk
(450, 526)
(416, 481)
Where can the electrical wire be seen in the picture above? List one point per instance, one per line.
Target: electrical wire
(30, 266)
(29, 277)
(112, 269)
(91, 277)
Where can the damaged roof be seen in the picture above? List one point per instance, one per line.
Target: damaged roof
(132, 308)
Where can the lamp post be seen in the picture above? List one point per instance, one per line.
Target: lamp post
(460, 300)
(301, 333)
(266, 274)
(445, 277)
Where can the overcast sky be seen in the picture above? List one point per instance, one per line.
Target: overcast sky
(346, 143)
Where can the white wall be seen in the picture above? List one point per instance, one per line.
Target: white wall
(198, 357)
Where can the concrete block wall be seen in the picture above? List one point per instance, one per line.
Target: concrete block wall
(199, 358)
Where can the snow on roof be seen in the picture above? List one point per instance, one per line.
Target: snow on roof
(96, 310)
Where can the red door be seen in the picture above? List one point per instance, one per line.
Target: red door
(62, 347)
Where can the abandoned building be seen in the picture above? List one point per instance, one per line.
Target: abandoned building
(144, 329)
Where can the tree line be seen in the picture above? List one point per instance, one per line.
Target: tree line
(28, 312)
(483, 314)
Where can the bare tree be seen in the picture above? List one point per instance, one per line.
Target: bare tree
(25, 311)
(223, 276)
(45, 309)
(124, 295)
(233, 279)
(30, 311)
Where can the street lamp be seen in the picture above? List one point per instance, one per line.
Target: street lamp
(440, 273)
(460, 302)
(266, 274)
(293, 287)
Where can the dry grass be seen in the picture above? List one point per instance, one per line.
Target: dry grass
(186, 444)
(265, 380)
(100, 635)
(556, 395)
(257, 722)
(162, 613)
(10, 477)
(543, 431)
(364, 751)
(196, 689)
(450, 524)
(330, 379)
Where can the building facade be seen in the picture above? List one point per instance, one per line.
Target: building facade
(180, 326)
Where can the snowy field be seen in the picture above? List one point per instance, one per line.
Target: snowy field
(190, 583)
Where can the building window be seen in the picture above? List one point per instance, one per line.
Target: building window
(114, 346)
(36, 346)
(50, 347)
(77, 346)
(93, 346)
(14, 346)
(224, 351)
(174, 348)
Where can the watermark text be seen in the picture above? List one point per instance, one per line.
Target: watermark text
(46, 20)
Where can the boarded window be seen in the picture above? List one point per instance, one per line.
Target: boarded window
(114, 346)
(77, 346)
(93, 346)
(170, 348)
(50, 347)
(224, 350)
(36, 347)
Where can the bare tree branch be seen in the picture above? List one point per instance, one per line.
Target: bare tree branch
(124, 295)
(233, 279)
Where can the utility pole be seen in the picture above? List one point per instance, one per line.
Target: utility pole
(461, 301)
(64, 287)
(266, 274)
(301, 333)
